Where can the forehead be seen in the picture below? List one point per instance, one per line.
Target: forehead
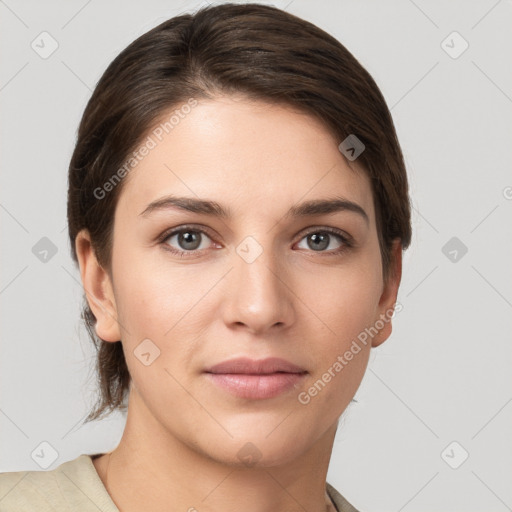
(250, 154)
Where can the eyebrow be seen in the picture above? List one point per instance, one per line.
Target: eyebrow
(206, 207)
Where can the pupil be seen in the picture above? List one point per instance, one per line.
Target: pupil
(319, 241)
(188, 237)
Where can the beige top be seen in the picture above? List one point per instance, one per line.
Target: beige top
(76, 486)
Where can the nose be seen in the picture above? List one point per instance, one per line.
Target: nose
(258, 295)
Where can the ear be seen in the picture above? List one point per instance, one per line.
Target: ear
(98, 289)
(389, 294)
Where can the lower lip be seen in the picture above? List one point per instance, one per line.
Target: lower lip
(256, 386)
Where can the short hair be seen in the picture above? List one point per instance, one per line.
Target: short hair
(259, 51)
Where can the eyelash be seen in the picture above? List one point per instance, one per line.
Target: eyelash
(346, 241)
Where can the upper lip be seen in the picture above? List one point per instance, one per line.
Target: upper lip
(253, 366)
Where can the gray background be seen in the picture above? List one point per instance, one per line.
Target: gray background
(443, 376)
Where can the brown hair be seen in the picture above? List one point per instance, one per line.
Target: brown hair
(252, 49)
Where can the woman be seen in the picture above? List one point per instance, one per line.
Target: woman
(238, 206)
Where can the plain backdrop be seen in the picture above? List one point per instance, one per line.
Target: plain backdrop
(429, 430)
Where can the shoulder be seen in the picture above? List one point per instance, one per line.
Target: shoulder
(341, 503)
(74, 485)
(29, 491)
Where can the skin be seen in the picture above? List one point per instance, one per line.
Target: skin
(182, 435)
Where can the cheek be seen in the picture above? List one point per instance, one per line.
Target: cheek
(160, 301)
(153, 304)
(344, 306)
(344, 302)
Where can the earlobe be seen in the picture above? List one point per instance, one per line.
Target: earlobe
(389, 296)
(98, 289)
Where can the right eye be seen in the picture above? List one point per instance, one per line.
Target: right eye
(188, 241)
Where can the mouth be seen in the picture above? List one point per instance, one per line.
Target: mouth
(253, 379)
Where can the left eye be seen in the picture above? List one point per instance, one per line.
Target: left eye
(320, 240)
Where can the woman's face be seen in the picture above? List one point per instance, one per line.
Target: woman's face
(271, 278)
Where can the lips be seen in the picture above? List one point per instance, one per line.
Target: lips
(245, 365)
(256, 380)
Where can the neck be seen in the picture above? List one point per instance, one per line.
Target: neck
(178, 476)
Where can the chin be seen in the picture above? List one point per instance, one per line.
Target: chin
(253, 449)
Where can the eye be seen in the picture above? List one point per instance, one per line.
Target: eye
(187, 241)
(190, 241)
(320, 239)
